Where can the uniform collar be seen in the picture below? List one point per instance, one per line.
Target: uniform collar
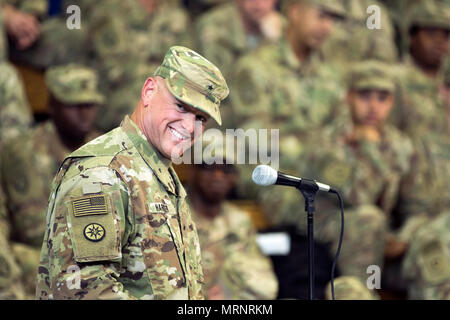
(161, 166)
(290, 59)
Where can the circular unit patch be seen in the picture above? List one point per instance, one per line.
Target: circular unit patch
(94, 232)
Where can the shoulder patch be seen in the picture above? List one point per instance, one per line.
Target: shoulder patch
(94, 232)
(92, 204)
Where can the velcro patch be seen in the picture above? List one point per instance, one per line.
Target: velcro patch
(92, 204)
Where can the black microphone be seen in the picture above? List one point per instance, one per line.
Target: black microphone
(266, 176)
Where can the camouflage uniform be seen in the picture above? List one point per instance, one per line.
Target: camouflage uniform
(10, 284)
(419, 108)
(349, 288)
(117, 210)
(271, 86)
(3, 42)
(15, 114)
(271, 89)
(127, 45)
(367, 174)
(29, 163)
(231, 257)
(221, 36)
(352, 40)
(427, 263)
(57, 44)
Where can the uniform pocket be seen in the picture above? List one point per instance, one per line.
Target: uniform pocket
(162, 262)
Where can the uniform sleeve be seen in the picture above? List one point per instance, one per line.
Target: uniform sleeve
(87, 227)
(10, 287)
(247, 273)
(26, 191)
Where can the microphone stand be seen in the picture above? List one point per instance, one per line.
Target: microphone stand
(309, 189)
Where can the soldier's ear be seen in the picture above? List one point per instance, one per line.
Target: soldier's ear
(148, 90)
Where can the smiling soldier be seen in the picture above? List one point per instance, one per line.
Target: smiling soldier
(118, 226)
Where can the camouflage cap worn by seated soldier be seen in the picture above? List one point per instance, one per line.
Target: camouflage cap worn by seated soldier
(73, 84)
(334, 7)
(428, 13)
(194, 80)
(370, 75)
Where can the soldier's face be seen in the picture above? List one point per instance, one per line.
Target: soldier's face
(169, 125)
(310, 25)
(255, 10)
(370, 107)
(74, 120)
(430, 46)
(214, 182)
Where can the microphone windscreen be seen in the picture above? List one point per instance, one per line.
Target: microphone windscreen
(264, 175)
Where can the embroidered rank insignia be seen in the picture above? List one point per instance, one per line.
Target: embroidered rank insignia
(89, 205)
(94, 232)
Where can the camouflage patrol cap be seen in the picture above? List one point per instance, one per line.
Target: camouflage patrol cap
(370, 74)
(334, 7)
(429, 13)
(73, 84)
(194, 80)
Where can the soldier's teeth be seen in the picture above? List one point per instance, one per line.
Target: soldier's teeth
(176, 134)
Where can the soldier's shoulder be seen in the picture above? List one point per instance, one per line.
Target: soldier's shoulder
(398, 138)
(235, 215)
(101, 151)
(220, 13)
(262, 59)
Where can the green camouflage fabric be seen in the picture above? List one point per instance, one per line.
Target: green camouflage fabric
(271, 89)
(426, 265)
(221, 36)
(10, 285)
(73, 84)
(424, 193)
(446, 72)
(128, 45)
(118, 214)
(334, 7)
(418, 109)
(350, 288)
(29, 163)
(57, 44)
(38, 8)
(3, 42)
(371, 74)
(351, 39)
(194, 80)
(231, 257)
(368, 176)
(15, 113)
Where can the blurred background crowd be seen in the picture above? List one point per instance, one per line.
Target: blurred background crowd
(360, 93)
